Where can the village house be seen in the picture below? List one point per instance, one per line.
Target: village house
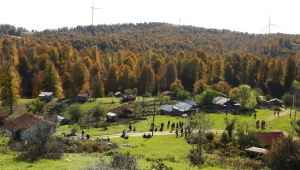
(27, 125)
(82, 97)
(184, 108)
(275, 102)
(121, 112)
(222, 103)
(170, 94)
(47, 96)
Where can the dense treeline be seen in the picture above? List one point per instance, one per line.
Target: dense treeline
(107, 58)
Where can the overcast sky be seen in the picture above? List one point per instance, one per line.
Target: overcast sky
(250, 16)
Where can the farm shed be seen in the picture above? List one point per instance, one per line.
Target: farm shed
(111, 117)
(275, 102)
(82, 97)
(47, 96)
(268, 138)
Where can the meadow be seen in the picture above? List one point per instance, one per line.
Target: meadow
(170, 150)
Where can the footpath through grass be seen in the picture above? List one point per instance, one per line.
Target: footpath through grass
(171, 150)
(275, 124)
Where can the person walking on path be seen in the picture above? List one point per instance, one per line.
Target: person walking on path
(185, 133)
(130, 127)
(176, 131)
(181, 132)
(172, 127)
(82, 134)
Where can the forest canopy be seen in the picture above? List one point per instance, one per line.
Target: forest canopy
(108, 58)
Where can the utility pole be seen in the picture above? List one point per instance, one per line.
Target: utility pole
(153, 115)
(294, 122)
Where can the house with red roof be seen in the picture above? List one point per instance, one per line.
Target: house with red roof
(26, 125)
(267, 138)
(122, 112)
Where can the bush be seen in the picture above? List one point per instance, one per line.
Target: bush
(123, 161)
(195, 156)
(79, 146)
(159, 165)
(94, 146)
(34, 149)
(4, 146)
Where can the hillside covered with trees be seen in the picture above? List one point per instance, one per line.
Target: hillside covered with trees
(147, 56)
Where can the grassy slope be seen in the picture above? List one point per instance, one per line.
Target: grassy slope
(78, 161)
(281, 123)
(164, 147)
(156, 147)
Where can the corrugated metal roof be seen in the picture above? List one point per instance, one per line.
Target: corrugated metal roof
(258, 150)
(275, 99)
(111, 114)
(167, 108)
(190, 102)
(182, 106)
(46, 94)
(220, 100)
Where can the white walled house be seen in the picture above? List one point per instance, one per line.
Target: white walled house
(27, 125)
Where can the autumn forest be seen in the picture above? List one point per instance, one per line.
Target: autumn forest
(146, 56)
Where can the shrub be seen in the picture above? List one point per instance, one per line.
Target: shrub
(4, 146)
(195, 156)
(40, 145)
(159, 165)
(123, 161)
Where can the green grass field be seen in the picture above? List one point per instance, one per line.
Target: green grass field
(277, 123)
(68, 161)
(173, 151)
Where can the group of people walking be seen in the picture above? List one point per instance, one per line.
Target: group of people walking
(179, 127)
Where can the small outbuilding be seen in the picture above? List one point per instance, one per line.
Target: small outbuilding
(111, 117)
(127, 98)
(257, 150)
(267, 138)
(82, 97)
(63, 120)
(253, 152)
(119, 94)
(122, 112)
(46, 96)
(275, 102)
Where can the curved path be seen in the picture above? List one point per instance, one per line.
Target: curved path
(134, 134)
(286, 112)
